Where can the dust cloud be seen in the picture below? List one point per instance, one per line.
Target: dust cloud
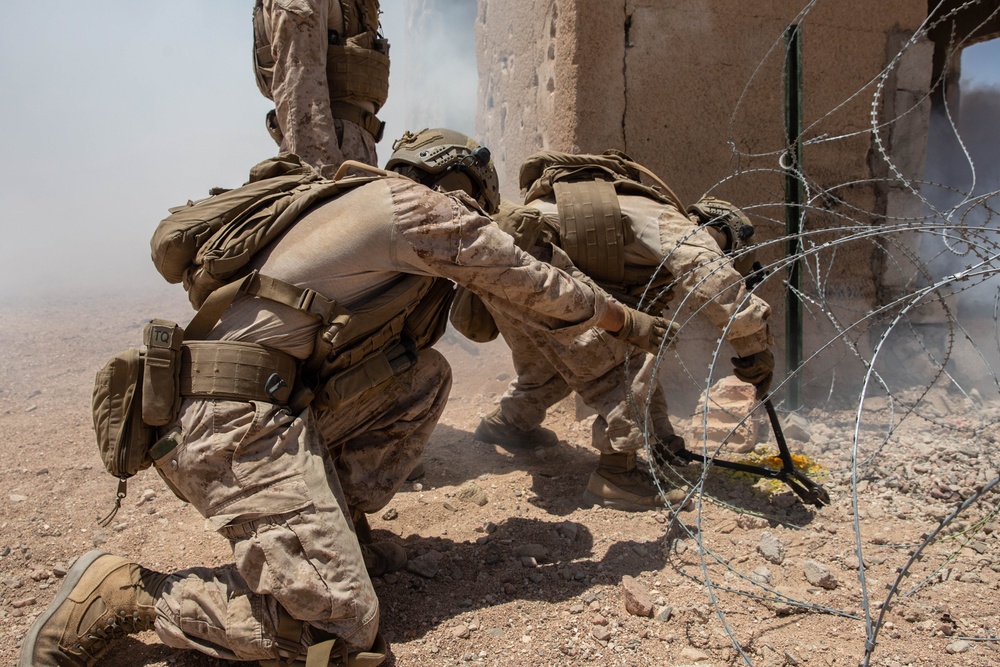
(115, 113)
(962, 187)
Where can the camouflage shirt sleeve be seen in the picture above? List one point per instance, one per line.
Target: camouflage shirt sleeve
(706, 279)
(300, 91)
(446, 235)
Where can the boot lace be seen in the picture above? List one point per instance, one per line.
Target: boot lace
(118, 626)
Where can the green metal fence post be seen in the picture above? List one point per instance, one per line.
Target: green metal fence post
(793, 213)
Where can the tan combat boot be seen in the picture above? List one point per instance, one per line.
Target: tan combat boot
(496, 430)
(383, 558)
(380, 557)
(618, 483)
(103, 598)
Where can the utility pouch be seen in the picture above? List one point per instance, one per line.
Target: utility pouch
(358, 380)
(426, 323)
(122, 438)
(471, 318)
(136, 391)
(161, 396)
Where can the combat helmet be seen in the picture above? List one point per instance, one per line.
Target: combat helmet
(730, 227)
(450, 160)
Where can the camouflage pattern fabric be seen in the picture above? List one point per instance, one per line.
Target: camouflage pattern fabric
(259, 477)
(298, 30)
(378, 441)
(594, 365)
(263, 478)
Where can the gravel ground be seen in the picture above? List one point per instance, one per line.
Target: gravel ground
(508, 569)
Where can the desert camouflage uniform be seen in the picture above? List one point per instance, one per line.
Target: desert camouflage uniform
(298, 32)
(263, 478)
(594, 364)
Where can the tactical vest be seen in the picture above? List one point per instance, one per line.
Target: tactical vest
(594, 232)
(592, 229)
(357, 63)
(207, 245)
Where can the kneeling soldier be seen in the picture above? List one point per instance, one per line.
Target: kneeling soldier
(274, 465)
(592, 213)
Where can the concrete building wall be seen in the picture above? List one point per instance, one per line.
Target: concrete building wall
(694, 90)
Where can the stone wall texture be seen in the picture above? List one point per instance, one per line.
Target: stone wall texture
(694, 90)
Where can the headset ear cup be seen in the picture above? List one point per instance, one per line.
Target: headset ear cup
(458, 179)
(718, 236)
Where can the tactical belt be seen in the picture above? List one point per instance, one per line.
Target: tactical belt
(236, 371)
(358, 116)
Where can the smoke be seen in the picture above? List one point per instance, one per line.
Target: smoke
(433, 76)
(979, 126)
(112, 114)
(963, 183)
(115, 112)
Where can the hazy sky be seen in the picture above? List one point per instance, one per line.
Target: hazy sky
(114, 111)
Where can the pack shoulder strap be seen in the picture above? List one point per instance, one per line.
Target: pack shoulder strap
(300, 298)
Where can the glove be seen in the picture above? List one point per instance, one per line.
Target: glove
(647, 332)
(757, 369)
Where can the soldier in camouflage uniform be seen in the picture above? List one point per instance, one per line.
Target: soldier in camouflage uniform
(326, 67)
(658, 240)
(260, 473)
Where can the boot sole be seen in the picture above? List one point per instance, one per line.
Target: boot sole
(519, 442)
(69, 583)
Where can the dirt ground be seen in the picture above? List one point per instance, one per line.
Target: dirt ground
(508, 569)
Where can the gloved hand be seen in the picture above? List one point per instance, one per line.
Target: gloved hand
(647, 332)
(757, 369)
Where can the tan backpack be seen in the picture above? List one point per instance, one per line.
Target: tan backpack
(205, 245)
(208, 243)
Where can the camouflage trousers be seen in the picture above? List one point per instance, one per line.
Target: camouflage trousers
(262, 478)
(608, 378)
(374, 449)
